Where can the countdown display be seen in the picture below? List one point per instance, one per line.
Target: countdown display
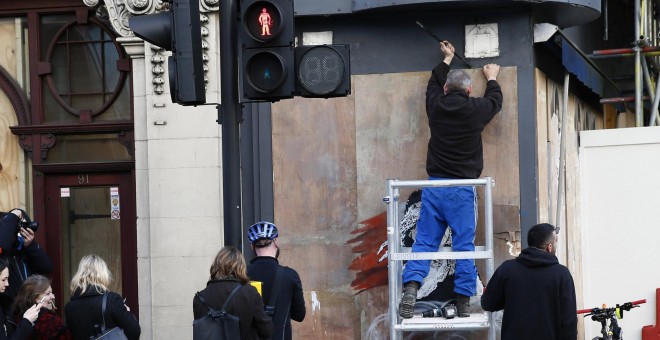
(323, 71)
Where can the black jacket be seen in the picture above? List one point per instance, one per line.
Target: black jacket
(456, 121)
(82, 314)
(11, 331)
(537, 295)
(246, 305)
(290, 301)
(21, 263)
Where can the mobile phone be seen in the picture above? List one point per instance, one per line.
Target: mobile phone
(42, 299)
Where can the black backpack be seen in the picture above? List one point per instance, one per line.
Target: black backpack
(217, 324)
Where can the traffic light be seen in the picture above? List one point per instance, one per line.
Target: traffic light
(323, 71)
(178, 31)
(267, 49)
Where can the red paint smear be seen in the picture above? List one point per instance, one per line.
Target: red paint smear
(370, 272)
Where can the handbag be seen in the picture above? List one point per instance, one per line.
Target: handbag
(114, 333)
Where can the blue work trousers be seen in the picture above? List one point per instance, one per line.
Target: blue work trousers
(456, 208)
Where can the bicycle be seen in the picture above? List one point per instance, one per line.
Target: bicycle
(602, 315)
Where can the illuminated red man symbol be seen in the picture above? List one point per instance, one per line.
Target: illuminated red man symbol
(265, 22)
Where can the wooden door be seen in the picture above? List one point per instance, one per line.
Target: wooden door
(92, 213)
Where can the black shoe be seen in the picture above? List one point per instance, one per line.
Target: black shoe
(462, 306)
(408, 300)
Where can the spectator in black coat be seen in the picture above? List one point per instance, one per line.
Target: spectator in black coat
(25, 327)
(290, 304)
(82, 314)
(535, 291)
(227, 272)
(23, 254)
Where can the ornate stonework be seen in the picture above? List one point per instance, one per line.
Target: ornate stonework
(119, 11)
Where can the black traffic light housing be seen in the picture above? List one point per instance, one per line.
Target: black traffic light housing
(267, 49)
(179, 31)
(323, 71)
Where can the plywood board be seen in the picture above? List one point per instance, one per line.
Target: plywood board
(579, 117)
(331, 159)
(391, 135)
(315, 206)
(11, 181)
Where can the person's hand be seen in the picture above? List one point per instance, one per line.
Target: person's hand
(28, 236)
(491, 71)
(18, 213)
(32, 313)
(448, 50)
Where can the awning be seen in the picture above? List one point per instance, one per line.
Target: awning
(576, 62)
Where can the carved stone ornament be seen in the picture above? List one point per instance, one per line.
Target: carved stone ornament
(117, 13)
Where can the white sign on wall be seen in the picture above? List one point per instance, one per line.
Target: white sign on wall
(114, 203)
(481, 41)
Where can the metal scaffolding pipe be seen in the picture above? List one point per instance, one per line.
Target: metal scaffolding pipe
(638, 68)
(654, 107)
(562, 155)
(618, 51)
(622, 55)
(620, 99)
(647, 78)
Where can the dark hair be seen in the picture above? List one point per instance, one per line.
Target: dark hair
(229, 262)
(262, 243)
(3, 265)
(540, 235)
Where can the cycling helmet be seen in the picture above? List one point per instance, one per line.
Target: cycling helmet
(262, 230)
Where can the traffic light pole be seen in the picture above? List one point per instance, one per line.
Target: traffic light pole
(229, 112)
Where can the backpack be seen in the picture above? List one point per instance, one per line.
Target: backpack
(217, 324)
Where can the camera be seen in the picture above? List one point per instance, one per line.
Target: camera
(26, 222)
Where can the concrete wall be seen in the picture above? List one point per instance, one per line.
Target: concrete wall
(619, 216)
(178, 189)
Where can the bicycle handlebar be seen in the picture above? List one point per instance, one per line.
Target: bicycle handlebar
(625, 306)
(638, 302)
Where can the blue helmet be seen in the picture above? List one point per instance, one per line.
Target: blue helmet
(261, 230)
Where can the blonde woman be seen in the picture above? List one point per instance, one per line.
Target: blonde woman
(227, 272)
(83, 312)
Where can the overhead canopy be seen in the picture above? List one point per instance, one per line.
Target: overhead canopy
(575, 61)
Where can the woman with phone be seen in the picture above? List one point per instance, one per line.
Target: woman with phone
(36, 289)
(82, 313)
(24, 328)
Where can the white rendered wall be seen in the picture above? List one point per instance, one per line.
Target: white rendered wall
(620, 214)
(178, 189)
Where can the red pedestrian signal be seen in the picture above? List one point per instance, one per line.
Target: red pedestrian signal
(267, 52)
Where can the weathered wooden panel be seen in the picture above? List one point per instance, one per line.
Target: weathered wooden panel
(578, 117)
(392, 135)
(11, 181)
(331, 159)
(315, 207)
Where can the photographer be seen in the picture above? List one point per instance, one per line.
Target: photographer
(18, 247)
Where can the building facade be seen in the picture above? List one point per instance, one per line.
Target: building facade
(95, 149)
